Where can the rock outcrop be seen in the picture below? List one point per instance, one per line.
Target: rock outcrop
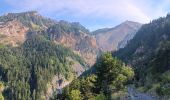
(12, 33)
(111, 39)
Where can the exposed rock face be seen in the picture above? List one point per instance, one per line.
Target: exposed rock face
(58, 82)
(126, 39)
(12, 33)
(14, 26)
(84, 46)
(31, 19)
(76, 66)
(56, 85)
(76, 37)
(110, 39)
(89, 53)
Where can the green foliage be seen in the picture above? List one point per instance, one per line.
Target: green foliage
(1, 90)
(75, 95)
(149, 53)
(165, 77)
(1, 96)
(1, 86)
(163, 91)
(27, 69)
(100, 97)
(63, 27)
(158, 72)
(1, 46)
(30, 19)
(84, 85)
(110, 76)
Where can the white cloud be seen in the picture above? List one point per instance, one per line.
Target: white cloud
(141, 11)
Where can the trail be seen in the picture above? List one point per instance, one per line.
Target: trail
(135, 95)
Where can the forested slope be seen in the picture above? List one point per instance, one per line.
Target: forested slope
(148, 52)
(27, 69)
(34, 50)
(107, 82)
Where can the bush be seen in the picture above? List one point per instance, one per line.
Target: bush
(163, 91)
(75, 95)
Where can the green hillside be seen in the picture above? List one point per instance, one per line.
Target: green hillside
(148, 52)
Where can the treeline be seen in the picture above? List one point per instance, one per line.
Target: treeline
(157, 73)
(26, 70)
(148, 53)
(110, 76)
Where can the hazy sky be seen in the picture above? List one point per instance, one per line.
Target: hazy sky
(93, 14)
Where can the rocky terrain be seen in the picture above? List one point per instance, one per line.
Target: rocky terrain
(12, 33)
(111, 39)
(76, 37)
(68, 49)
(15, 26)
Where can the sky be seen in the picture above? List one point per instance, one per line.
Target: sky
(93, 14)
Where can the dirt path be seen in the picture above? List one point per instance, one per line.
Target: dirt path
(135, 95)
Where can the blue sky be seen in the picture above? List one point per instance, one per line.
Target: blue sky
(93, 14)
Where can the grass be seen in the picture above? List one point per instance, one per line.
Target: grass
(142, 89)
(120, 95)
(2, 45)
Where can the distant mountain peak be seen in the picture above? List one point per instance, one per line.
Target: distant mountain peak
(130, 23)
(110, 39)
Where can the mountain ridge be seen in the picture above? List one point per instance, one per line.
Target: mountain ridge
(148, 53)
(50, 53)
(72, 35)
(108, 39)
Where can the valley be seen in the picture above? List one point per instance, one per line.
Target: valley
(47, 59)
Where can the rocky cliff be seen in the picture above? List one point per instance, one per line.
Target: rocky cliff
(111, 39)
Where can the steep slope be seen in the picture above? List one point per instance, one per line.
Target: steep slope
(111, 39)
(31, 19)
(105, 83)
(71, 35)
(35, 50)
(32, 66)
(148, 52)
(12, 33)
(76, 37)
(146, 41)
(14, 27)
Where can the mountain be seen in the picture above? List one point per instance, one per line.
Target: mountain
(111, 39)
(12, 33)
(71, 35)
(31, 19)
(148, 53)
(106, 80)
(39, 55)
(76, 37)
(15, 26)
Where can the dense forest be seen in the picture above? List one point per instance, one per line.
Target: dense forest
(26, 70)
(110, 76)
(52, 48)
(148, 52)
